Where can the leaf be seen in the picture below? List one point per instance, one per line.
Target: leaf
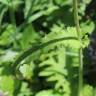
(28, 6)
(5, 2)
(87, 27)
(29, 37)
(7, 86)
(54, 69)
(24, 90)
(8, 56)
(86, 1)
(61, 32)
(47, 93)
(10, 3)
(35, 16)
(27, 70)
(88, 90)
(62, 3)
(60, 65)
(8, 36)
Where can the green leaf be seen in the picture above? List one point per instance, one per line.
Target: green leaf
(29, 37)
(7, 84)
(27, 70)
(47, 93)
(8, 56)
(28, 6)
(12, 3)
(88, 90)
(8, 36)
(5, 2)
(56, 70)
(87, 27)
(24, 90)
(86, 1)
(61, 32)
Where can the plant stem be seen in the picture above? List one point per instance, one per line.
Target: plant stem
(33, 49)
(76, 19)
(13, 21)
(1, 17)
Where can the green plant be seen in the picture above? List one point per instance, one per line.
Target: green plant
(41, 54)
(75, 2)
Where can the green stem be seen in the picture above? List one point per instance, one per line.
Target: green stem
(76, 19)
(13, 21)
(1, 17)
(31, 50)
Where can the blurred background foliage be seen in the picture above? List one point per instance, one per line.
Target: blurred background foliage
(53, 70)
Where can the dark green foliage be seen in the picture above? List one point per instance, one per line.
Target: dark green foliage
(39, 47)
